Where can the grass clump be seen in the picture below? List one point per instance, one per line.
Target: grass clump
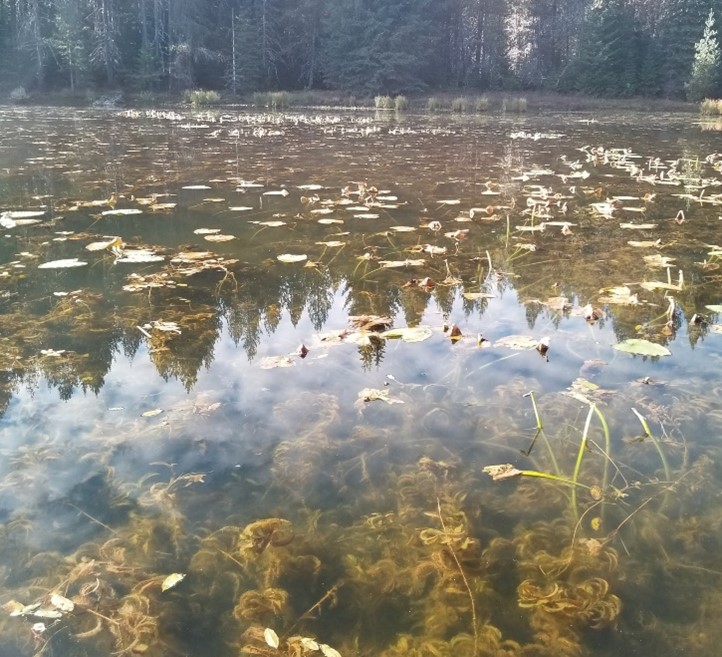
(517, 104)
(279, 100)
(19, 95)
(384, 103)
(711, 107)
(481, 104)
(401, 103)
(433, 104)
(459, 105)
(201, 97)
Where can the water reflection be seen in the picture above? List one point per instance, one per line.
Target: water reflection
(341, 499)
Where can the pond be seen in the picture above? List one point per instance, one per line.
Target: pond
(353, 384)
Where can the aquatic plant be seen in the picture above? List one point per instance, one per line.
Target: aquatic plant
(383, 102)
(201, 97)
(460, 104)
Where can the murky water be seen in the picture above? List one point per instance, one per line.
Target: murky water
(253, 368)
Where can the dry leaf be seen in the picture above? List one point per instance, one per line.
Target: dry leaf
(172, 580)
(271, 638)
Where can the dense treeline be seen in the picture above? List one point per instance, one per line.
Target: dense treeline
(604, 47)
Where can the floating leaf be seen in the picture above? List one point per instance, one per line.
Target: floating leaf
(132, 256)
(403, 229)
(642, 347)
(219, 238)
(409, 334)
(660, 285)
(240, 208)
(47, 613)
(272, 224)
(332, 243)
(372, 394)
(100, 246)
(121, 212)
(270, 362)
(196, 187)
(292, 257)
(207, 231)
(366, 215)
(620, 294)
(518, 342)
(658, 261)
(395, 264)
(502, 471)
(271, 638)
(276, 192)
(66, 263)
(638, 226)
(172, 580)
(24, 214)
(152, 413)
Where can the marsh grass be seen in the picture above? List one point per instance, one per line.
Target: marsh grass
(383, 102)
(711, 107)
(460, 105)
(201, 97)
(433, 104)
(481, 104)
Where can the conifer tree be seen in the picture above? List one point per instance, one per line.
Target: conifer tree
(706, 65)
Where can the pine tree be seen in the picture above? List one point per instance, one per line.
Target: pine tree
(706, 65)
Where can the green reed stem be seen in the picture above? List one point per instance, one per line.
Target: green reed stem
(580, 456)
(655, 442)
(540, 431)
(551, 477)
(607, 453)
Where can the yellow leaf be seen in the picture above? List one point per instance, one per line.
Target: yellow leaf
(172, 580)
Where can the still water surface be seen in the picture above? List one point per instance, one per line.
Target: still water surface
(253, 366)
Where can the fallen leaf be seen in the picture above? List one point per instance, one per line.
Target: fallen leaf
(642, 347)
(66, 263)
(518, 342)
(152, 413)
(271, 362)
(291, 257)
(372, 394)
(501, 471)
(271, 638)
(409, 334)
(328, 651)
(172, 580)
(61, 603)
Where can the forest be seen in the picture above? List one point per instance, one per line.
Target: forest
(613, 48)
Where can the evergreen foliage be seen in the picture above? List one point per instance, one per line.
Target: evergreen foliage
(369, 47)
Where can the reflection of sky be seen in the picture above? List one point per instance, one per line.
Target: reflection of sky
(256, 403)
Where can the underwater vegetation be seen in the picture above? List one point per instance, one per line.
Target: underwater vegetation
(324, 402)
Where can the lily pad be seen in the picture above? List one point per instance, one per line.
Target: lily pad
(642, 347)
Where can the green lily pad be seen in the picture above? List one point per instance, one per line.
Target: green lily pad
(642, 348)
